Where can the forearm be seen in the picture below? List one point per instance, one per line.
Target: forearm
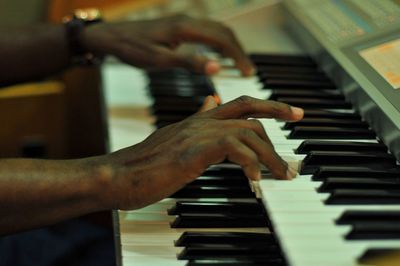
(31, 52)
(40, 192)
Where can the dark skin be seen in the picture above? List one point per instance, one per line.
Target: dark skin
(33, 52)
(34, 193)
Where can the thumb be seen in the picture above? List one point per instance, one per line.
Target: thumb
(210, 102)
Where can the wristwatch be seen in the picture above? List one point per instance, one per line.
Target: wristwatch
(74, 24)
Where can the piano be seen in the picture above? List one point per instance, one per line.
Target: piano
(339, 60)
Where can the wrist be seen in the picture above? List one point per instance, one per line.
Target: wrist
(75, 27)
(98, 185)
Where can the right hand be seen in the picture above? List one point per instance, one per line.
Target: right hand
(175, 155)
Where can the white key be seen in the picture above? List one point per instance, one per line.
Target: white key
(146, 236)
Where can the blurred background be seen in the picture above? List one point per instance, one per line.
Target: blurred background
(65, 116)
(22, 11)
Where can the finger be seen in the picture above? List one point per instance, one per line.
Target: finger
(212, 68)
(208, 104)
(156, 56)
(194, 63)
(219, 37)
(252, 124)
(246, 67)
(246, 106)
(242, 155)
(266, 154)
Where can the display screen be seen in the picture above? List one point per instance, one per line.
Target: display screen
(385, 59)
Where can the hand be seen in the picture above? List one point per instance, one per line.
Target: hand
(175, 155)
(151, 43)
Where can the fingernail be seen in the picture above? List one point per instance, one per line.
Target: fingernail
(217, 99)
(212, 67)
(290, 173)
(251, 72)
(298, 112)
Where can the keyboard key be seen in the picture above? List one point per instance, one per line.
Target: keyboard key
(331, 133)
(216, 207)
(231, 238)
(331, 184)
(363, 197)
(352, 217)
(316, 159)
(319, 145)
(326, 122)
(219, 221)
(324, 172)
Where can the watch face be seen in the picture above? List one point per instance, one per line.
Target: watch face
(88, 14)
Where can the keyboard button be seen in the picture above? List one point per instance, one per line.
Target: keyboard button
(319, 145)
(330, 133)
(363, 196)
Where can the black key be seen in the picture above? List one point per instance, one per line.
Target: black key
(326, 122)
(182, 91)
(331, 133)
(374, 231)
(363, 197)
(305, 93)
(352, 217)
(193, 191)
(324, 172)
(224, 172)
(215, 207)
(192, 108)
(180, 72)
(331, 184)
(265, 76)
(315, 113)
(237, 262)
(309, 103)
(374, 255)
(225, 238)
(220, 180)
(284, 83)
(234, 252)
(182, 100)
(179, 81)
(219, 221)
(285, 60)
(320, 145)
(287, 69)
(316, 159)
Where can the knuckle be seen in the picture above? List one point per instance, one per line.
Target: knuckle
(257, 124)
(276, 108)
(245, 133)
(245, 100)
(227, 141)
(251, 159)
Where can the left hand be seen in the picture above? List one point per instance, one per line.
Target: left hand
(152, 43)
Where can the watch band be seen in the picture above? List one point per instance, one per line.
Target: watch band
(74, 25)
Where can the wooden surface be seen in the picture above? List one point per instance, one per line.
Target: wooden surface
(33, 115)
(87, 124)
